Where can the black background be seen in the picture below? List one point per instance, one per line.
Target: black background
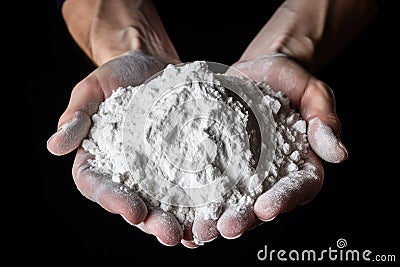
(52, 223)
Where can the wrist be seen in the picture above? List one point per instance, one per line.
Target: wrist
(298, 48)
(311, 35)
(118, 42)
(107, 29)
(293, 30)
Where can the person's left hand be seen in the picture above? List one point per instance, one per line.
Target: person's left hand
(315, 102)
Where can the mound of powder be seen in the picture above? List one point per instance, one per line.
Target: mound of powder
(194, 142)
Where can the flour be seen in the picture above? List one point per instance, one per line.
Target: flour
(194, 142)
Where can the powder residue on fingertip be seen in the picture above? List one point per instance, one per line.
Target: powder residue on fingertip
(325, 142)
(70, 134)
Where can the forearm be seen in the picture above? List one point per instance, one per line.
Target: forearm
(105, 29)
(311, 31)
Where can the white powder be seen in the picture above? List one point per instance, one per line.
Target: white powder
(185, 143)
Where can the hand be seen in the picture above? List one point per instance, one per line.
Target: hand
(315, 102)
(132, 68)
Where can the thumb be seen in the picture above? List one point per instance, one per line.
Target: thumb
(69, 135)
(325, 142)
(317, 107)
(75, 122)
(132, 68)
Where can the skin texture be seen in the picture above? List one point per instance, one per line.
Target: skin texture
(127, 41)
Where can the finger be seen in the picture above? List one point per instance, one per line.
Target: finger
(205, 230)
(317, 107)
(290, 191)
(164, 226)
(74, 123)
(123, 202)
(69, 135)
(108, 194)
(325, 142)
(235, 221)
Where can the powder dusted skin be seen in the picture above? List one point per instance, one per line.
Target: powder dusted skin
(194, 142)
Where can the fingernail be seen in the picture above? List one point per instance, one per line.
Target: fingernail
(51, 138)
(268, 220)
(165, 244)
(189, 244)
(59, 130)
(343, 148)
(231, 237)
(209, 240)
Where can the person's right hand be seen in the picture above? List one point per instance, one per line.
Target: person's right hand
(132, 68)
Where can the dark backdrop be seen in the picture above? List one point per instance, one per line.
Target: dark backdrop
(51, 223)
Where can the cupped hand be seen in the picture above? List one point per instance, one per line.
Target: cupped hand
(312, 98)
(316, 103)
(131, 68)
